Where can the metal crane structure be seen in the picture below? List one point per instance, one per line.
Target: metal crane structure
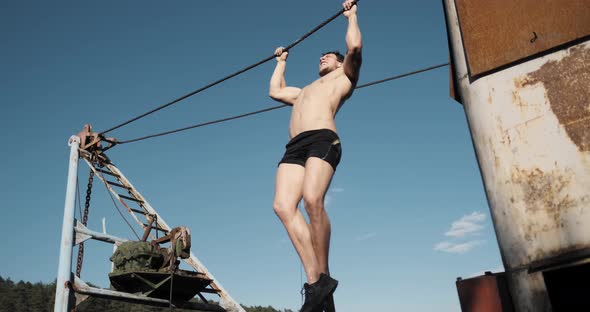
(160, 282)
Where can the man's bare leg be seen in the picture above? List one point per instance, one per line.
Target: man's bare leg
(288, 193)
(318, 175)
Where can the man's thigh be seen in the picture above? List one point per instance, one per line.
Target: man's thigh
(289, 184)
(318, 175)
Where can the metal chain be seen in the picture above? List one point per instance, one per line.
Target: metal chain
(156, 222)
(85, 222)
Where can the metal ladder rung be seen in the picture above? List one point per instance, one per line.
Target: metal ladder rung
(138, 211)
(155, 228)
(118, 185)
(209, 291)
(131, 198)
(107, 172)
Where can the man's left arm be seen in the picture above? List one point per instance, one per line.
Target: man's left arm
(354, 44)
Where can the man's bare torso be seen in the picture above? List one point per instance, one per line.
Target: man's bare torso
(317, 104)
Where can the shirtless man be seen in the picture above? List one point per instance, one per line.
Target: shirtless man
(312, 155)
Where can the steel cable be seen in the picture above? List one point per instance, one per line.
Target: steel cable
(265, 109)
(296, 42)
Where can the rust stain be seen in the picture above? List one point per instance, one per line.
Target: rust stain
(546, 198)
(500, 32)
(567, 86)
(506, 140)
(513, 133)
(519, 82)
(545, 192)
(497, 160)
(516, 99)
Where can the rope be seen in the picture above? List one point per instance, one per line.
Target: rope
(265, 109)
(119, 210)
(200, 125)
(401, 76)
(296, 42)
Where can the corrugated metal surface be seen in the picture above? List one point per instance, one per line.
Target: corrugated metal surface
(499, 32)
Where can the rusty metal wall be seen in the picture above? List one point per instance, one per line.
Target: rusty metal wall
(530, 126)
(486, 293)
(499, 32)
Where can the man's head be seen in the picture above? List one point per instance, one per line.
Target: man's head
(330, 61)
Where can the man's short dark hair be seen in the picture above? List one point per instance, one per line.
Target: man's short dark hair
(339, 56)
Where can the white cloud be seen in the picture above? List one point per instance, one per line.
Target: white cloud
(468, 224)
(457, 248)
(365, 236)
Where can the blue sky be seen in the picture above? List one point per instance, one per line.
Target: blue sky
(407, 205)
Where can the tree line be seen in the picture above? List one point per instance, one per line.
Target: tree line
(39, 297)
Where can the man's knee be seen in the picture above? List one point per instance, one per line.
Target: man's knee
(314, 204)
(282, 209)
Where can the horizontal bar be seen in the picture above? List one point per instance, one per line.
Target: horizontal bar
(130, 198)
(155, 228)
(137, 211)
(83, 288)
(80, 228)
(117, 184)
(162, 240)
(107, 172)
(559, 260)
(210, 291)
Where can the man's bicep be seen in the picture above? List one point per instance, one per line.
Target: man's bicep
(287, 95)
(352, 65)
(292, 92)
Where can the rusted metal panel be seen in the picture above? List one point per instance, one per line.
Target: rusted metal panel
(567, 85)
(530, 125)
(499, 32)
(486, 293)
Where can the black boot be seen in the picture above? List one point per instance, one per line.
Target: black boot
(317, 293)
(329, 304)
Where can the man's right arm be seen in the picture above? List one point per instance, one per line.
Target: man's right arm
(354, 43)
(278, 90)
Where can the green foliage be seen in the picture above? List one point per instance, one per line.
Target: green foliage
(264, 309)
(25, 297)
(39, 297)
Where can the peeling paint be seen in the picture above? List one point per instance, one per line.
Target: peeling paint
(546, 199)
(567, 87)
(518, 100)
(544, 191)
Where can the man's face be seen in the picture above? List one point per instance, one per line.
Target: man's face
(328, 63)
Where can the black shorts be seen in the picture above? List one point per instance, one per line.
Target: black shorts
(321, 143)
